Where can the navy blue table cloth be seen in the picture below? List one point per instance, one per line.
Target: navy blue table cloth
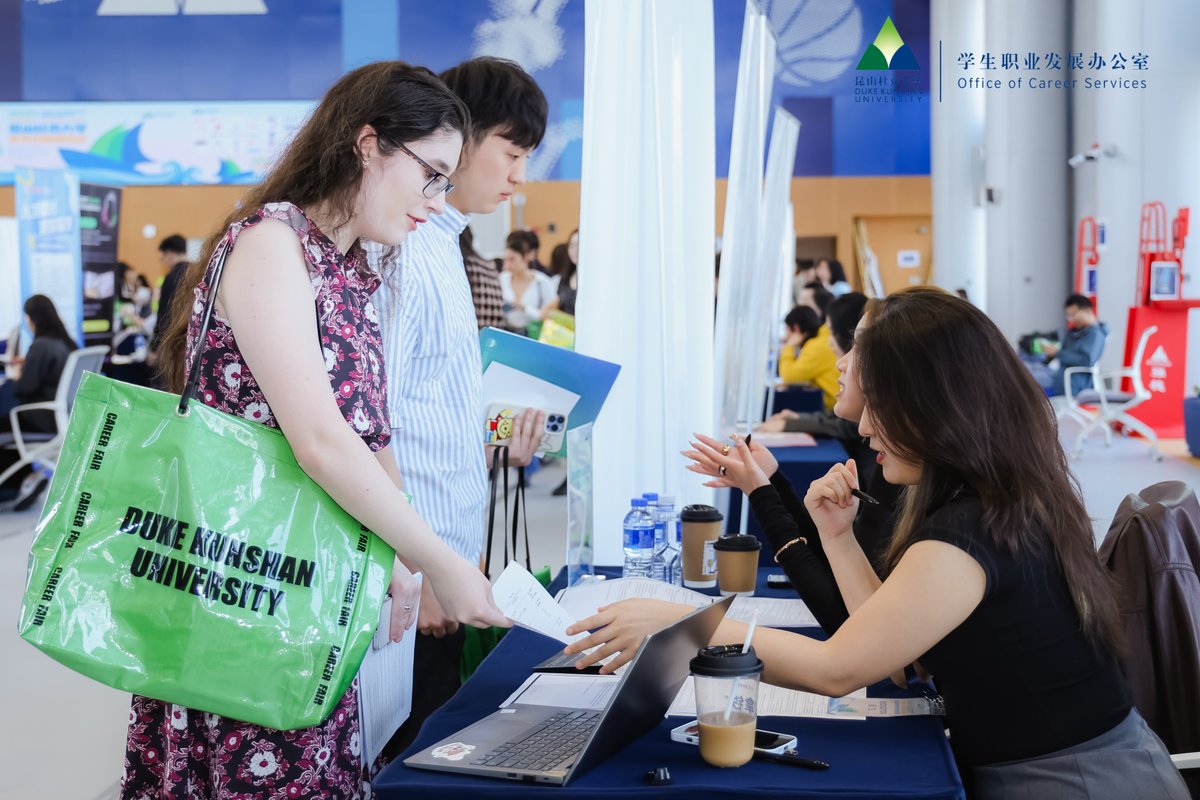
(876, 758)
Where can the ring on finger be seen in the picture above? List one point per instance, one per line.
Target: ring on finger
(721, 471)
(725, 450)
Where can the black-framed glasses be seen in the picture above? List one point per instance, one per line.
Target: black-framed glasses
(437, 184)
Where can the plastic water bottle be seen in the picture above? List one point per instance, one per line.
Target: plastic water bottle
(675, 562)
(664, 522)
(638, 539)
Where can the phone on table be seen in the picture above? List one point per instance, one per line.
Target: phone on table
(498, 427)
(764, 741)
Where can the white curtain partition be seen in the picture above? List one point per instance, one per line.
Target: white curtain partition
(739, 343)
(776, 249)
(646, 246)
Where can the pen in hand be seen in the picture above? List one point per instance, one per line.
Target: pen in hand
(864, 497)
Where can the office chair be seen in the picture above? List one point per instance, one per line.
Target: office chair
(1108, 405)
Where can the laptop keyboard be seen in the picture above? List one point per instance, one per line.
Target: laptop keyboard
(546, 746)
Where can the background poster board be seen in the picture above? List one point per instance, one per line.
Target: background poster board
(99, 215)
(47, 203)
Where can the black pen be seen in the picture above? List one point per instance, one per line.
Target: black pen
(864, 497)
(789, 757)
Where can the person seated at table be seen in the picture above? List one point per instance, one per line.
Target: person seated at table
(806, 357)
(788, 525)
(34, 378)
(817, 297)
(1082, 345)
(994, 582)
(844, 314)
(832, 274)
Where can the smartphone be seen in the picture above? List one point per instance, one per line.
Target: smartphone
(777, 581)
(498, 427)
(764, 741)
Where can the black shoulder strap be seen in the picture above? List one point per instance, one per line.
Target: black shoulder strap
(499, 463)
(520, 499)
(193, 377)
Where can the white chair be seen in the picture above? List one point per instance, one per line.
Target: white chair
(1109, 404)
(43, 448)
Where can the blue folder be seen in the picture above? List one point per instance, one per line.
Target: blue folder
(590, 378)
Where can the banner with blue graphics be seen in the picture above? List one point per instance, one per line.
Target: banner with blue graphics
(856, 73)
(47, 203)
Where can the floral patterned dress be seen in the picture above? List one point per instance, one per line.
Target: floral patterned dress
(176, 752)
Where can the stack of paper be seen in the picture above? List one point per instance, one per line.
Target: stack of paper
(385, 682)
(774, 701)
(582, 601)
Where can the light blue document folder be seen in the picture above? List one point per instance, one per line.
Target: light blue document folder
(590, 378)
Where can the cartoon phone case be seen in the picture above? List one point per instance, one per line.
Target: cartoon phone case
(498, 427)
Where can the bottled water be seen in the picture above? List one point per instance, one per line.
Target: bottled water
(638, 540)
(675, 560)
(664, 520)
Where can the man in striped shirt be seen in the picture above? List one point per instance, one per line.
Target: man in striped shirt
(432, 353)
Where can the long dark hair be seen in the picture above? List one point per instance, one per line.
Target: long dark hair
(949, 393)
(46, 322)
(322, 164)
(561, 264)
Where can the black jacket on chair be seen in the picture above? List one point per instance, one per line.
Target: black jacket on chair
(1153, 549)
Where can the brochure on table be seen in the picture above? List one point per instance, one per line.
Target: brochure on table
(523, 372)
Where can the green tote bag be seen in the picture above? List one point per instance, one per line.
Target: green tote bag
(182, 554)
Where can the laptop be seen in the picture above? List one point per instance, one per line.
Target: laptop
(546, 744)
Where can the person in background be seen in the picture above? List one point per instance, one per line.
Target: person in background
(563, 272)
(563, 268)
(806, 273)
(34, 378)
(527, 292)
(537, 264)
(780, 511)
(806, 356)
(844, 314)
(143, 297)
(172, 255)
(484, 282)
(1082, 344)
(294, 344)
(431, 341)
(831, 273)
(817, 297)
(992, 578)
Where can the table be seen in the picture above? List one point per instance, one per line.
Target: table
(801, 466)
(877, 758)
(800, 398)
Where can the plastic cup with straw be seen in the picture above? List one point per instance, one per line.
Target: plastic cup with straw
(733, 691)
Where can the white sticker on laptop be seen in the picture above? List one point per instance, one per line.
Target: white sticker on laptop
(455, 751)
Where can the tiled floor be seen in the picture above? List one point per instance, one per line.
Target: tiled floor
(63, 735)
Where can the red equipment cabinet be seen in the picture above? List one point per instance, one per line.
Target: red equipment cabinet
(1087, 260)
(1166, 354)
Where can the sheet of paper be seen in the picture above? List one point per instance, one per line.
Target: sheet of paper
(527, 603)
(586, 692)
(773, 612)
(385, 683)
(582, 601)
(773, 701)
(503, 384)
(785, 439)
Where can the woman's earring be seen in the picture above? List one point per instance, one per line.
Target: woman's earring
(364, 162)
